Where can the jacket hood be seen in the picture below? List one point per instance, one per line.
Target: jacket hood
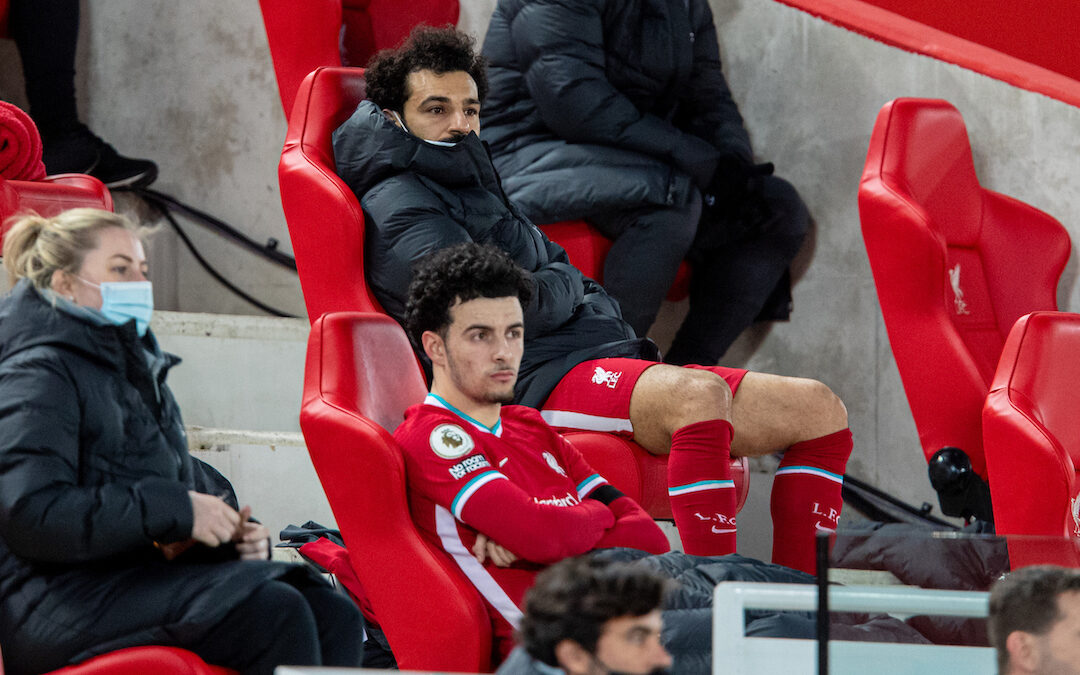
(369, 148)
(28, 319)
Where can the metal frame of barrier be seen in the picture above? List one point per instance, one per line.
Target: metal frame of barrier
(735, 654)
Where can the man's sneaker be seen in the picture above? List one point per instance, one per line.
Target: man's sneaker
(80, 151)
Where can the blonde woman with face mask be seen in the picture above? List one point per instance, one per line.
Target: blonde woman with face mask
(111, 534)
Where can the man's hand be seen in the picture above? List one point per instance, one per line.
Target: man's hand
(485, 548)
(215, 521)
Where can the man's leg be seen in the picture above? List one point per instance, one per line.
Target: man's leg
(691, 422)
(45, 32)
(770, 413)
(731, 284)
(649, 245)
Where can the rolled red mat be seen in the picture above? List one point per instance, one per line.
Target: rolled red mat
(20, 145)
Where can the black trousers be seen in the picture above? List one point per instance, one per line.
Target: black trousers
(649, 245)
(46, 33)
(730, 283)
(285, 625)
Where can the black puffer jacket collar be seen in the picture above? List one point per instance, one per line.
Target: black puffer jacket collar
(48, 320)
(53, 325)
(386, 150)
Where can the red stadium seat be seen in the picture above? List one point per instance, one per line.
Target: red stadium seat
(306, 34)
(955, 266)
(3, 33)
(142, 660)
(52, 195)
(361, 375)
(1031, 429)
(324, 217)
(327, 229)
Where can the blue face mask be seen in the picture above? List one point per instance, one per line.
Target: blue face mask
(122, 301)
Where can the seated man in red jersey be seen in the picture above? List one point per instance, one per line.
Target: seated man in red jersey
(493, 485)
(426, 182)
(504, 495)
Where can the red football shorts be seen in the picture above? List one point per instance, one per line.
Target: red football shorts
(595, 395)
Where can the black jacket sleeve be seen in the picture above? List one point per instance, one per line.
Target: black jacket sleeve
(45, 514)
(563, 43)
(410, 222)
(706, 108)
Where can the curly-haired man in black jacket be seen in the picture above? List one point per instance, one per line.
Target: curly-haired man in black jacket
(426, 182)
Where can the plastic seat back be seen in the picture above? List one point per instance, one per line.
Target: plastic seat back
(325, 221)
(52, 195)
(142, 660)
(360, 376)
(954, 265)
(306, 34)
(1032, 429)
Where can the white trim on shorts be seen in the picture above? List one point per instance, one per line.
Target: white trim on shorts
(566, 419)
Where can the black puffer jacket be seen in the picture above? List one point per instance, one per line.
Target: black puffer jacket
(601, 104)
(420, 198)
(94, 469)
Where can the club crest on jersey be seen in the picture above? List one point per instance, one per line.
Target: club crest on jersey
(554, 464)
(607, 377)
(450, 441)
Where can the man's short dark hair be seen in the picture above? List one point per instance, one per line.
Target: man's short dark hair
(442, 50)
(1027, 600)
(574, 598)
(460, 273)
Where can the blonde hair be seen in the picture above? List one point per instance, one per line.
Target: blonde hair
(35, 247)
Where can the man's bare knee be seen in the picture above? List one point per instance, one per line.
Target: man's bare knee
(828, 406)
(667, 398)
(773, 412)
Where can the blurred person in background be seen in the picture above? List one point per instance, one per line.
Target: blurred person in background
(1035, 621)
(592, 617)
(46, 33)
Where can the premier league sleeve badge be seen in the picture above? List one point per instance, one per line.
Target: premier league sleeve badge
(450, 441)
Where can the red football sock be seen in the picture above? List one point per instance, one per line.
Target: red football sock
(700, 486)
(806, 497)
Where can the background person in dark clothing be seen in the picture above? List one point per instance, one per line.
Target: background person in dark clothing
(617, 112)
(46, 33)
(587, 616)
(111, 534)
(426, 182)
(1035, 621)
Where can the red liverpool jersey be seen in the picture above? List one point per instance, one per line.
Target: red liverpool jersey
(522, 485)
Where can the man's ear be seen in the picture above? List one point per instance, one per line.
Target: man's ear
(572, 657)
(394, 117)
(1023, 652)
(434, 347)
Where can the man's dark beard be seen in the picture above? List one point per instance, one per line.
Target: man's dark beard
(453, 138)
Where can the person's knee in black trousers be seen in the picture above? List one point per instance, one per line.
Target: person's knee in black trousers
(738, 261)
(649, 245)
(282, 625)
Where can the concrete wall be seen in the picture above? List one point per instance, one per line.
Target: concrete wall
(191, 85)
